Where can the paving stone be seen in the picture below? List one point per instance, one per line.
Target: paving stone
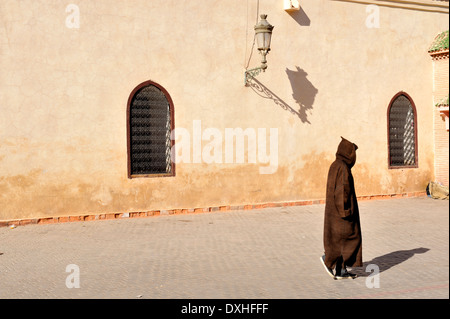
(267, 253)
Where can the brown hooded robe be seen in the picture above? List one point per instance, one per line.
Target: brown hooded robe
(342, 230)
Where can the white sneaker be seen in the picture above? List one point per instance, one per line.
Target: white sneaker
(329, 270)
(345, 275)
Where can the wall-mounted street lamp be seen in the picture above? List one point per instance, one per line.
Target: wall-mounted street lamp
(263, 34)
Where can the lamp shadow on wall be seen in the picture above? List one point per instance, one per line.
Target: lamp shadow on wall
(303, 92)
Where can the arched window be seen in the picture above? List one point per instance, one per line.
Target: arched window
(150, 121)
(402, 132)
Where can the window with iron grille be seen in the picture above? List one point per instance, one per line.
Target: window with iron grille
(150, 122)
(402, 132)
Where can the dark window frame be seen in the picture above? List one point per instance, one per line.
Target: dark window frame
(416, 153)
(172, 125)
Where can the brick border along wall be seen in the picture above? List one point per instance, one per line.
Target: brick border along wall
(111, 216)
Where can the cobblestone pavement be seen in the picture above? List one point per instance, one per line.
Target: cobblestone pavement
(267, 253)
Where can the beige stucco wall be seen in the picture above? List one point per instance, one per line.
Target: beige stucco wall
(64, 93)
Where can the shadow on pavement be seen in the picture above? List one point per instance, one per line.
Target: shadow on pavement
(388, 261)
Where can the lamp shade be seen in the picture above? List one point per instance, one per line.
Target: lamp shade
(263, 32)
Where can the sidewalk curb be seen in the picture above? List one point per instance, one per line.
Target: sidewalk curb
(225, 208)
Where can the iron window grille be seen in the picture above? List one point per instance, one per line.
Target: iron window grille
(402, 132)
(149, 123)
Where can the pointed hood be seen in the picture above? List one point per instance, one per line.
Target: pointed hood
(347, 152)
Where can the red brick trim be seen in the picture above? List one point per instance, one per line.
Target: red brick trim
(440, 55)
(111, 216)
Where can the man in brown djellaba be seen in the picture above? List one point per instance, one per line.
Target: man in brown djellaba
(342, 229)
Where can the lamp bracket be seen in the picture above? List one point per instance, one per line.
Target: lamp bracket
(251, 73)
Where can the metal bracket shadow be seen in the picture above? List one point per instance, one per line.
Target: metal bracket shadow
(304, 93)
(266, 93)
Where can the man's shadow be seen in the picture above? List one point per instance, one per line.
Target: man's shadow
(388, 261)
